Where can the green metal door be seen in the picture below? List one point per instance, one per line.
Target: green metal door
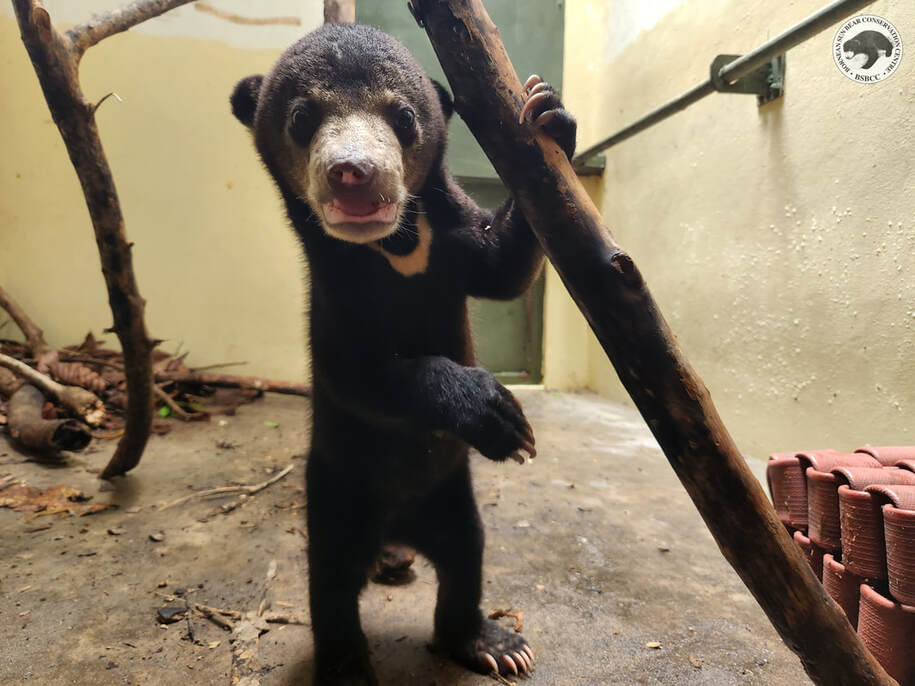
(508, 335)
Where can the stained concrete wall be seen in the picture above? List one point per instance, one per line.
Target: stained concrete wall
(222, 273)
(779, 241)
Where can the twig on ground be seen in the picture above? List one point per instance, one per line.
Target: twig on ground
(501, 679)
(234, 381)
(234, 614)
(218, 365)
(218, 617)
(81, 402)
(176, 409)
(280, 618)
(223, 490)
(271, 575)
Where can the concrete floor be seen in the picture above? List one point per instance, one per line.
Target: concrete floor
(595, 541)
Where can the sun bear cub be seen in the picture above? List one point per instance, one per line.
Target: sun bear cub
(353, 133)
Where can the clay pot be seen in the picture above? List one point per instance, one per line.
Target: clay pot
(842, 586)
(788, 489)
(812, 553)
(906, 464)
(824, 460)
(823, 515)
(861, 518)
(889, 455)
(899, 528)
(888, 630)
(823, 510)
(823, 525)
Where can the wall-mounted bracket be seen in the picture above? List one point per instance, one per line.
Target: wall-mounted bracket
(767, 83)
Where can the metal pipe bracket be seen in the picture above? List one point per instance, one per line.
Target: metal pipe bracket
(767, 83)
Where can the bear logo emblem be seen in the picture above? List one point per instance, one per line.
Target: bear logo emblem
(867, 49)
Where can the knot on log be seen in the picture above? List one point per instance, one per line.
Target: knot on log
(626, 268)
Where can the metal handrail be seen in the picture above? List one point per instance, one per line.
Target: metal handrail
(797, 34)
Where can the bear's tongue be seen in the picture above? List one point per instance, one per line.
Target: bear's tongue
(353, 210)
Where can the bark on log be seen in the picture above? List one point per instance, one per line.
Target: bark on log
(34, 336)
(610, 291)
(27, 426)
(339, 11)
(55, 57)
(235, 381)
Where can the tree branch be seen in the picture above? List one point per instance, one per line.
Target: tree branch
(34, 336)
(339, 11)
(55, 58)
(610, 291)
(234, 381)
(77, 400)
(101, 26)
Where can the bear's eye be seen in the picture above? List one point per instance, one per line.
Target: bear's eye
(405, 124)
(302, 123)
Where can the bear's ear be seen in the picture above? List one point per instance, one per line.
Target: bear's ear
(445, 98)
(244, 99)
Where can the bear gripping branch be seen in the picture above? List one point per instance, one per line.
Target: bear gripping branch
(609, 290)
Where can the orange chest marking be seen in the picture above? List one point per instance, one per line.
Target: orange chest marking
(417, 261)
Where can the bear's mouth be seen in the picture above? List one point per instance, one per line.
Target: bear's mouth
(351, 211)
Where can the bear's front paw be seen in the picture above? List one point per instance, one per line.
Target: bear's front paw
(543, 110)
(497, 426)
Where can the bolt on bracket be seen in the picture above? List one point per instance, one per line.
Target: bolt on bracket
(767, 83)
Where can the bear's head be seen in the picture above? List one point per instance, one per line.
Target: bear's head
(349, 123)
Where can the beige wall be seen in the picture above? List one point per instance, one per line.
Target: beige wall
(779, 241)
(221, 272)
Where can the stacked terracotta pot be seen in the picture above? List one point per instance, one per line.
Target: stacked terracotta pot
(853, 516)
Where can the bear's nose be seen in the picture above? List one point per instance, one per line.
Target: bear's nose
(351, 172)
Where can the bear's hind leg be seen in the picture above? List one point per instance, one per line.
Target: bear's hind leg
(449, 532)
(342, 545)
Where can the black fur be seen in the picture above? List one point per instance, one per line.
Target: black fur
(869, 43)
(397, 398)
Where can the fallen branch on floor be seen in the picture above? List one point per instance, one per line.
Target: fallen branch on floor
(226, 490)
(55, 57)
(27, 426)
(609, 290)
(34, 336)
(218, 617)
(282, 618)
(176, 409)
(234, 381)
(79, 401)
(495, 676)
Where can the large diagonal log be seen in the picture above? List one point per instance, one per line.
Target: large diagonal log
(612, 294)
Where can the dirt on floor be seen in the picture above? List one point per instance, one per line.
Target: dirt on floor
(595, 542)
